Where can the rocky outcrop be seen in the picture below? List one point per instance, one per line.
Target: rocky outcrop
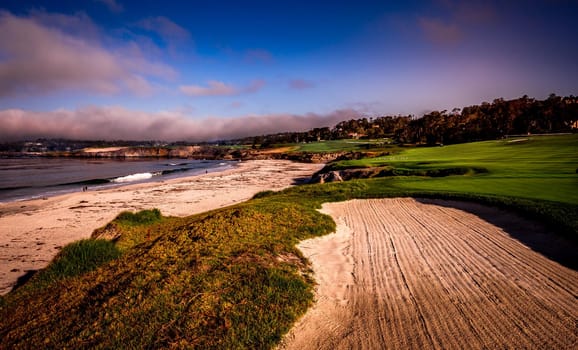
(184, 151)
(124, 152)
(109, 232)
(307, 157)
(332, 176)
(195, 152)
(329, 174)
(328, 157)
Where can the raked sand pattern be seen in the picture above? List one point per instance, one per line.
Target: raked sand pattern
(410, 274)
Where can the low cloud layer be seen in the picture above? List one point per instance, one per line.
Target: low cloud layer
(38, 56)
(219, 88)
(115, 123)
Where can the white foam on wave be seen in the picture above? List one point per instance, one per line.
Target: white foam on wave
(134, 177)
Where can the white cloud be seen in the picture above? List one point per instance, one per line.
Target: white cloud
(214, 88)
(219, 88)
(38, 58)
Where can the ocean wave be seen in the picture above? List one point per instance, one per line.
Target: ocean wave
(135, 177)
(12, 188)
(84, 182)
(172, 171)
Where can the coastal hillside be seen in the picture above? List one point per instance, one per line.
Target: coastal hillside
(234, 278)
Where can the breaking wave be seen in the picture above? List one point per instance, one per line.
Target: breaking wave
(135, 177)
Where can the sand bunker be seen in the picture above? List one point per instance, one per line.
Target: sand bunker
(410, 274)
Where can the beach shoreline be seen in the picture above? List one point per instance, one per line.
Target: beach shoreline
(24, 179)
(32, 232)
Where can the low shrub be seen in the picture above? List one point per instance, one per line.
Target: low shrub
(143, 217)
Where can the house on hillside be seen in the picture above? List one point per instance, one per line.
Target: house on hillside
(355, 135)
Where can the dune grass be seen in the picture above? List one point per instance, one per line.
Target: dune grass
(143, 217)
(75, 259)
(233, 279)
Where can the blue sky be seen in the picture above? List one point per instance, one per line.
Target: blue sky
(195, 70)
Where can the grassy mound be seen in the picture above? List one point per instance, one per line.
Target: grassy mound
(225, 279)
(129, 229)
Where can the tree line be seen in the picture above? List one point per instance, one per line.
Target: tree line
(486, 121)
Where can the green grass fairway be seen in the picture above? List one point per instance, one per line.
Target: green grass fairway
(341, 146)
(539, 167)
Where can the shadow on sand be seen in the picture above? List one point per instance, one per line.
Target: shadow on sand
(23, 279)
(531, 233)
(301, 181)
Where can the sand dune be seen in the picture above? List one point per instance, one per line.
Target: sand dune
(409, 274)
(32, 232)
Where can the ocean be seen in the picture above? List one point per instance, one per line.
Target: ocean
(29, 178)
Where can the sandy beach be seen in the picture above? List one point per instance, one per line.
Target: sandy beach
(32, 232)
